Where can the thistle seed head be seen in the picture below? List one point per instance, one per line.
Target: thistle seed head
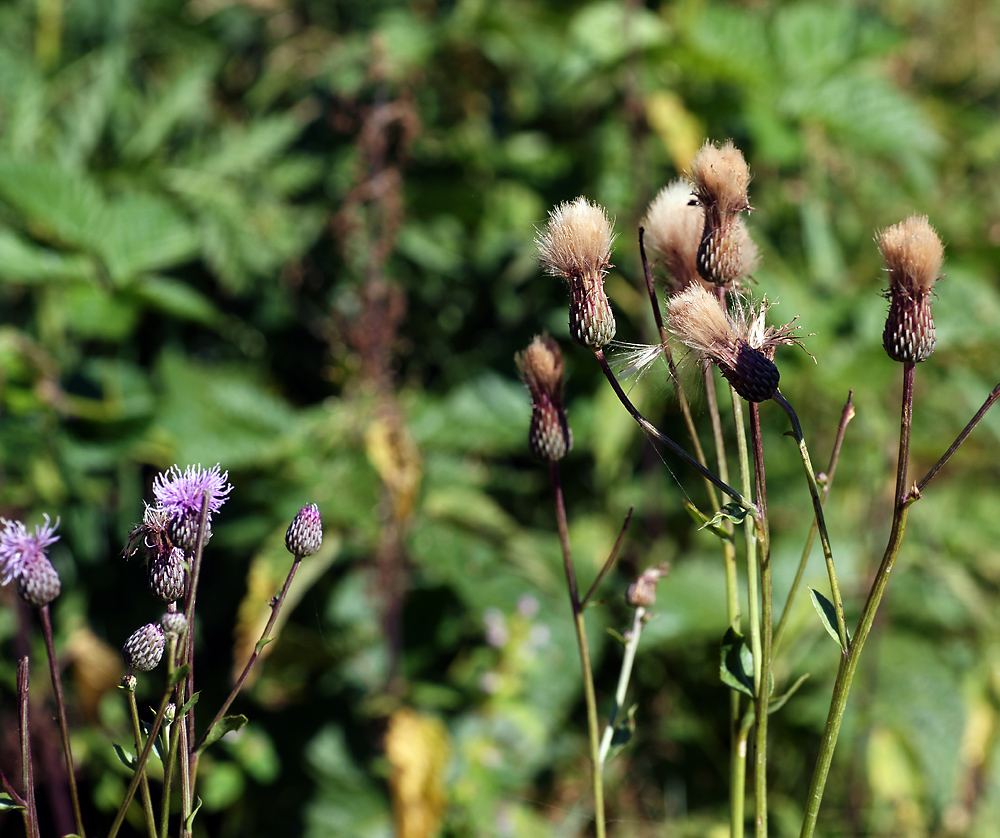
(913, 253)
(741, 347)
(305, 534)
(541, 366)
(576, 245)
(143, 650)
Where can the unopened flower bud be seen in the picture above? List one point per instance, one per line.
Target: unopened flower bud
(168, 575)
(541, 366)
(305, 534)
(183, 532)
(174, 623)
(128, 683)
(719, 177)
(576, 245)
(912, 253)
(39, 584)
(144, 648)
(642, 592)
(170, 713)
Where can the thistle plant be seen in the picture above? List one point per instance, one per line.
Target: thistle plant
(696, 232)
(172, 536)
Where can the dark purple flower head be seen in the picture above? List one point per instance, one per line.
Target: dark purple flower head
(180, 494)
(20, 551)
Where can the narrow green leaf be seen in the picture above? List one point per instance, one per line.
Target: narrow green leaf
(191, 702)
(827, 613)
(730, 512)
(623, 732)
(189, 822)
(227, 724)
(179, 674)
(736, 663)
(779, 702)
(124, 756)
(616, 635)
(7, 803)
(262, 643)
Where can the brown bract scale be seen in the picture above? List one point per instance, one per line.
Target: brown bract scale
(541, 366)
(719, 178)
(576, 245)
(742, 347)
(913, 254)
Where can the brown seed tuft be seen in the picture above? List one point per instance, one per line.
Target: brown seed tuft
(720, 177)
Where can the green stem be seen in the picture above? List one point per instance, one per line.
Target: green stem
(763, 696)
(682, 401)
(590, 696)
(846, 416)
(173, 737)
(654, 432)
(824, 536)
(61, 711)
(147, 749)
(276, 604)
(147, 801)
(849, 662)
(631, 645)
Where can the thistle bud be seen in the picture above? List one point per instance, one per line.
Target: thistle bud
(170, 713)
(541, 366)
(642, 592)
(168, 575)
(576, 245)
(183, 531)
(24, 557)
(719, 177)
(173, 623)
(912, 253)
(305, 534)
(144, 648)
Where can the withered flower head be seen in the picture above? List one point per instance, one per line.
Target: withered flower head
(642, 592)
(674, 224)
(742, 347)
(913, 254)
(719, 178)
(541, 366)
(576, 245)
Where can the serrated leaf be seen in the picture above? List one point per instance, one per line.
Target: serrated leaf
(736, 663)
(124, 757)
(779, 702)
(827, 613)
(8, 804)
(222, 727)
(176, 298)
(22, 261)
(189, 821)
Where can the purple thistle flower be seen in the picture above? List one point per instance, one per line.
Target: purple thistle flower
(20, 551)
(180, 494)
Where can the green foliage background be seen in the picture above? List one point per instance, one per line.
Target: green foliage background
(295, 238)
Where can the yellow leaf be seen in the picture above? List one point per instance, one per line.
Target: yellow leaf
(676, 126)
(417, 749)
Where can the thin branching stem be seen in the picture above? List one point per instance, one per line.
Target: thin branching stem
(650, 429)
(628, 659)
(846, 415)
(30, 813)
(57, 690)
(173, 739)
(682, 401)
(147, 801)
(143, 757)
(927, 478)
(581, 640)
(764, 681)
(824, 535)
(849, 662)
(276, 604)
